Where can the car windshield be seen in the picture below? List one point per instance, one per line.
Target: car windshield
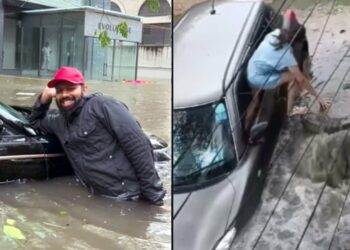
(203, 145)
(12, 115)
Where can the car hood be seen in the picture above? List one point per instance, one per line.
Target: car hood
(201, 216)
(208, 48)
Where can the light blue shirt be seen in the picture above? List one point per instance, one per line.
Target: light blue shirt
(268, 62)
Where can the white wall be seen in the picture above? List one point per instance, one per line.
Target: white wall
(154, 63)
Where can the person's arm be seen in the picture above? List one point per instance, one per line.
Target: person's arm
(47, 95)
(136, 147)
(302, 80)
(39, 117)
(305, 84)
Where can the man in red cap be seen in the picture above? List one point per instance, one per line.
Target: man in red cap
(104, 143)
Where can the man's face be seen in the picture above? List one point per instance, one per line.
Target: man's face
(68, 95)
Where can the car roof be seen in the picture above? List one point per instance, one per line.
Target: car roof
(205, 49)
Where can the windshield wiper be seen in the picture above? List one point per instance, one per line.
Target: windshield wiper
(193, 177)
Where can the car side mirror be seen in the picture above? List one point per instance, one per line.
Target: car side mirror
(257, 131)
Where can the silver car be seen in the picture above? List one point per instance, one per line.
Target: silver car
(218, 169)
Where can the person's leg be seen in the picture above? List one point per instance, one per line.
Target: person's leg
(292, 94)
(251, 110)
(286, 78)
(294, 90)
(45, 63)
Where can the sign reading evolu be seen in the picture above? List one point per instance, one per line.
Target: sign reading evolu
(96, 22)
(110, 27)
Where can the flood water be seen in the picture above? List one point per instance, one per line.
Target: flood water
(61, 214)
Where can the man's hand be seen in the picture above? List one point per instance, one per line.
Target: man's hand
(47, 95)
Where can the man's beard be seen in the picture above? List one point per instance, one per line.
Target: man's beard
(67, 112)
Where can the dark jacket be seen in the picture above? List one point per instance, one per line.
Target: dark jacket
(106, 147)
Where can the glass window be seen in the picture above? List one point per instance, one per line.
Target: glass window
(50, 42)
(102, 64)
(31, 45)
(12, 115)
(90, 2)
(99, 60)
(115, 7)
(203, 145)
(11, 43)
(72, 40)
(156, 34)
(125, 61)
(54, 41)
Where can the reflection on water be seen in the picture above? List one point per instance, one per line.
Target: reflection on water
(60, 214)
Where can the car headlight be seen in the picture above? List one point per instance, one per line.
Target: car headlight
(226, 241)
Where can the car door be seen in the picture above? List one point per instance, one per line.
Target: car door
(20, 155)
(24, 151)
(56, 161)
(248, 180)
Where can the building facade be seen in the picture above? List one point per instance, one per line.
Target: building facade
(39, 38)
(155, 51)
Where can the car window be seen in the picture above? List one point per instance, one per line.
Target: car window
(203, 145)
(16, 122)
(12, 115)
(263, 26)
(241, 90)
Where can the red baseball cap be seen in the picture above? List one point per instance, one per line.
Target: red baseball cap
(290, 21)
(67, 74)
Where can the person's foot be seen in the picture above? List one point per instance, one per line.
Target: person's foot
(298, 111)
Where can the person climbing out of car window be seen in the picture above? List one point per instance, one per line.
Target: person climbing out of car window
(272, 65)
(104, 143)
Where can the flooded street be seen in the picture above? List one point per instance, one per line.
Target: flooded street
(61, 214)
(296, 213)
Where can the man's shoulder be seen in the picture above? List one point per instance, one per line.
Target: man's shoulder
(101, 100)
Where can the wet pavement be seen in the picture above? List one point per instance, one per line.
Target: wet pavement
(61, 214)
(296, 213)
